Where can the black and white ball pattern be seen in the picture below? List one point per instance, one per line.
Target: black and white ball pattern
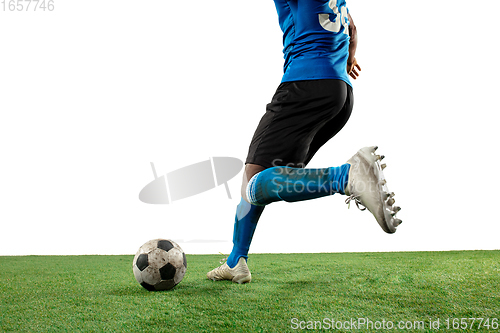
(160, 264)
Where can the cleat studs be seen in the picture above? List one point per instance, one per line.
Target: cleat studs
(383, 166)
(397, 222)
(386, 195)
(397, 209)
(383, 182)
(379, 157)
(391, 202)
(382, 157)
(374, 148)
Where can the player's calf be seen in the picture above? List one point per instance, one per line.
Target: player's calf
(295, 184)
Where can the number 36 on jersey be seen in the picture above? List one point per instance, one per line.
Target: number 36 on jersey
(341, 18)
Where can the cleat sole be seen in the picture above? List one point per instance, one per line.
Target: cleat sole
(383, 214)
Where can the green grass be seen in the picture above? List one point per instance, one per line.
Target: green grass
(99, 293)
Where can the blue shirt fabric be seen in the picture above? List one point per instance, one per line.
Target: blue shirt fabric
(315, 39)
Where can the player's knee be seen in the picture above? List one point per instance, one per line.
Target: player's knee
(249, 193)
(250, 171)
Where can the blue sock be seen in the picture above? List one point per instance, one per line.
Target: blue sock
(295, 184)
(246, 219)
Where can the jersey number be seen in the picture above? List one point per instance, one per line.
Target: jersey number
(340, 18)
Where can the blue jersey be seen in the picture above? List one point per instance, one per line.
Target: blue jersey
(315, 39)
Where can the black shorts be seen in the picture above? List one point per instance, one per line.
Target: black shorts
(302, 117)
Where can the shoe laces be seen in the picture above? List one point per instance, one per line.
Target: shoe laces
(356, 201)
(223, 260)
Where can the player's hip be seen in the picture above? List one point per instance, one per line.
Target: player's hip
(316, 68)
(311, 96)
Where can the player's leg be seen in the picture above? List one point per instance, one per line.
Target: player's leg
(327, 114)
(235, 268)
(298, 141)
(245, 222)
(323, 135)
(247, 216)
(361, 178)
(363, 182)
(284, 135)
(331, 128)
(318, 183)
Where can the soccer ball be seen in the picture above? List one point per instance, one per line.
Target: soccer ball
(160, 264)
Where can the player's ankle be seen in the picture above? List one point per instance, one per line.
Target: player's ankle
(233, 259)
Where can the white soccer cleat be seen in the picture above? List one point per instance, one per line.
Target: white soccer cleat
(239, 274)
(368, 187)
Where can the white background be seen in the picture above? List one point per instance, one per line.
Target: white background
(94, 91)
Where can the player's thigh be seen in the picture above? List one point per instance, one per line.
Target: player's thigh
(293, 119)
(332, 127)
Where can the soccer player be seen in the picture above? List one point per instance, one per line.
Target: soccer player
(310, 106)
